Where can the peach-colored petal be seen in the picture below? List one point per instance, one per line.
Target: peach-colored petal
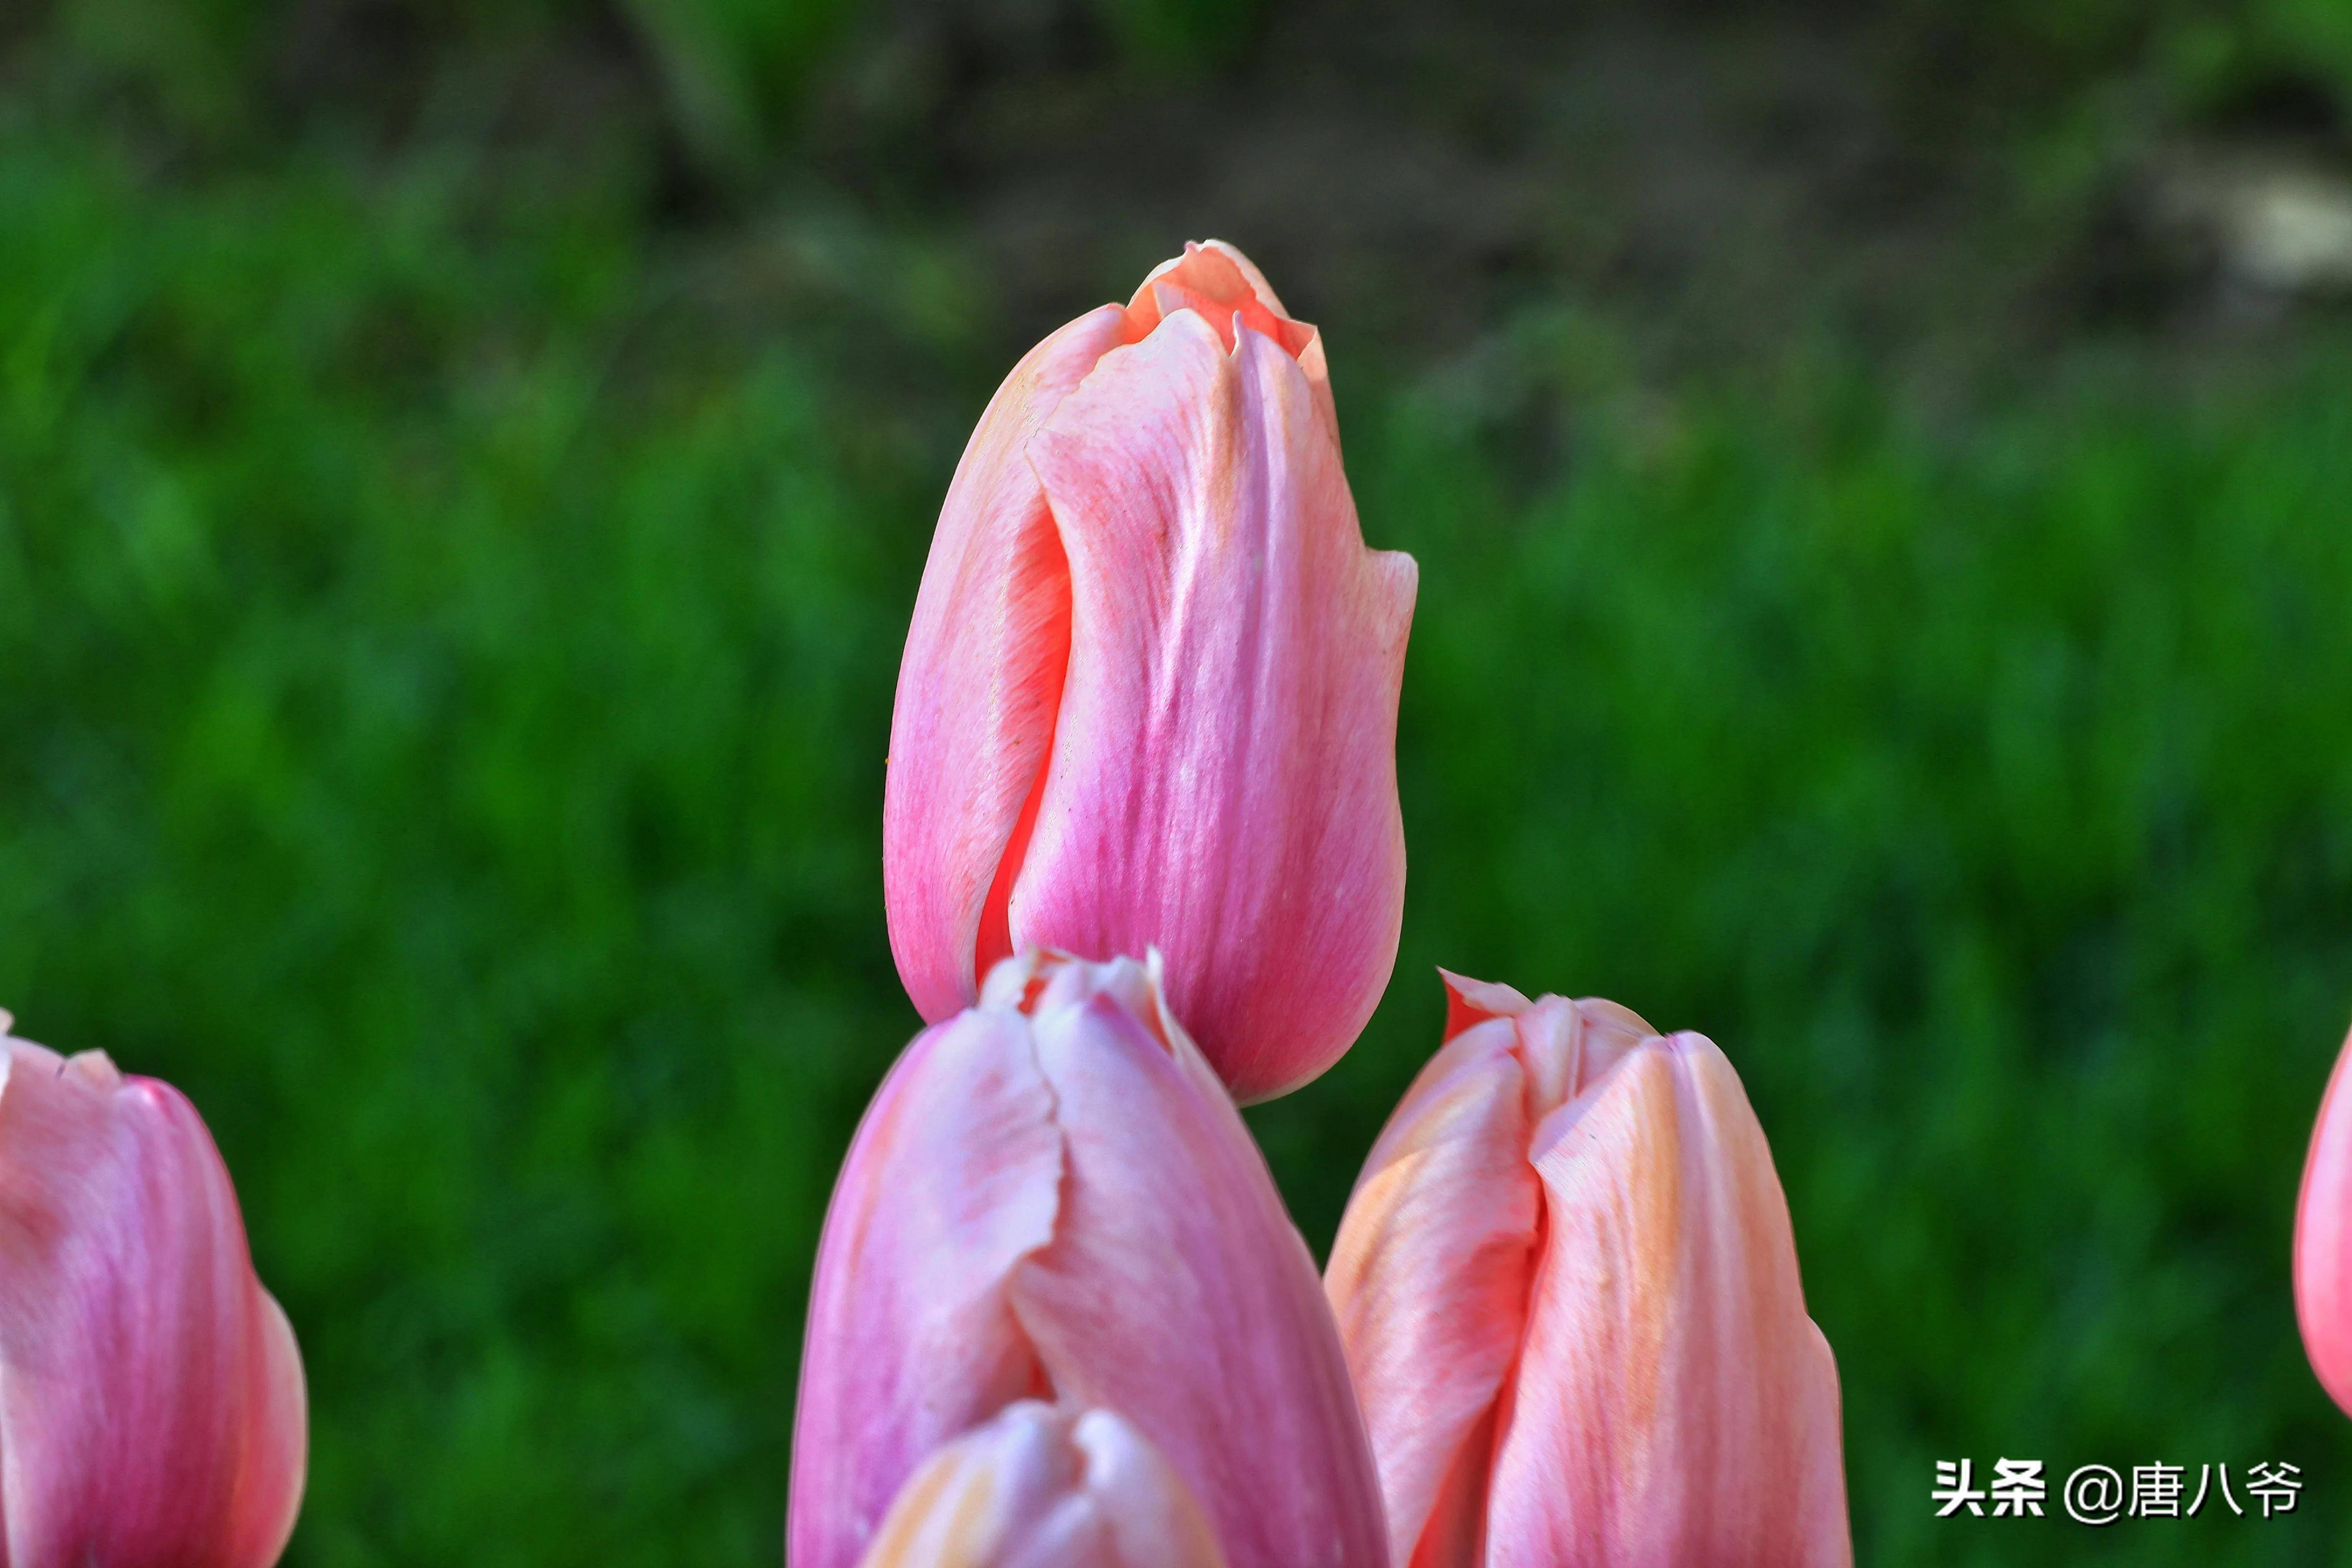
(1191, 264)
(1472, 1001)
(1428, 1275)
(1222, 284)
(151, 1406)
(1672, 1404)
(1224, 780)
(2323, 1240)
(980, 684)
(1569, 1296)
(1038, 1487)
(1227, 290)
(1177, 1292)
(953, 1177)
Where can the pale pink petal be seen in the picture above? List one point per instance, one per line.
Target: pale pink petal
(1223, 777)
(150, 1395)
(980, 686)
(2323, 1240)
(953, 1178)
(1038, 1487)
(1429, 1280)
(1176, 1291)
(1674, 1406)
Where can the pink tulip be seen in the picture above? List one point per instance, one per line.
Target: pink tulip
(1568, 1294)
(1053, 1197)
(2323, 1241)
(1042, 1488)
(152, 1410)
(1149, 691)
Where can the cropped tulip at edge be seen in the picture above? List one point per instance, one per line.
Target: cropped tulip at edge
(1150, 690)
(2323, 1240)
(151, 1406)
(1052, 1196)
(1038, 1487)
(1568, 1292)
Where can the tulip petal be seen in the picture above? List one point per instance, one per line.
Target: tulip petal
(1672, 1404)
(980, 686)
(1176, 1291)
(1470, 1001)
(2323, 1240)
(1038, 1487)
(151, 1406)
(1224, 777)
(1430, 1273)
(951, 1180)
(1229, 292)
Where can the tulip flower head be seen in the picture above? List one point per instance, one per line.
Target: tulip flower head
(2323, 1241)
(152, 1411)
(1037, 1486)
(1150, 690)
(1569, 1293)
(1053, 1197)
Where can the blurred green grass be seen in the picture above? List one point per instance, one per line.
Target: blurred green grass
(447, 704)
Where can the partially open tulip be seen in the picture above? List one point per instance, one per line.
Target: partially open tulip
(1039, 1487)
(1569, 1293)
(1052, 1197)
(1150, 690)
(152, 1411)
(2323, 1241)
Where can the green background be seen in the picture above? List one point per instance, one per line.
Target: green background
(465, 470)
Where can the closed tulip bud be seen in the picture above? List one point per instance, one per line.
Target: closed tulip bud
(1053, 1197)
(1038, 1487)
(1568, 1294)
(152, 1411)
(1149, 691)
(2323, 1241)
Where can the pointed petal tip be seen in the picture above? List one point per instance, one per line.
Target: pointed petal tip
(1470, 1001)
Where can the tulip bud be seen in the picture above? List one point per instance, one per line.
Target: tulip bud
(1040, 1488)
(2323, 1241)
(1052, 1196)
(1150, 690)
(152, 1410)
(1568, 1294)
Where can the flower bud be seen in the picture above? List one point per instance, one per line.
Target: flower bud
(1053, 1197)
(1149, 691)
(1569, 1298)
(1040, 1488)
(152, 1408)
(2323, 1241)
